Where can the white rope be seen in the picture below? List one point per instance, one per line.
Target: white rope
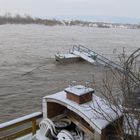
(65, 135)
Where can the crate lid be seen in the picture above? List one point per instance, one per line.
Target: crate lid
(79, 90)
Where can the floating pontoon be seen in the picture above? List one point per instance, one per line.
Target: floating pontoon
(66, 58)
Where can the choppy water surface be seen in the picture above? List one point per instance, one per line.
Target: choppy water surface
(28, 70)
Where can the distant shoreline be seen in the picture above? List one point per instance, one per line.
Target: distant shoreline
(17, 19)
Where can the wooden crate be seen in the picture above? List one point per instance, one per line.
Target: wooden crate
(80, 99)
(78, 95)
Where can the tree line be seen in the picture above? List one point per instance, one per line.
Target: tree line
(26, 19)
(7, 18)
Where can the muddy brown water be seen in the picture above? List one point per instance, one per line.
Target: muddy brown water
(28, 70)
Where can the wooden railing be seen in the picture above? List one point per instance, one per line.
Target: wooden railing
(30, 119)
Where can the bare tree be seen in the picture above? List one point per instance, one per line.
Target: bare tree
(122, 90)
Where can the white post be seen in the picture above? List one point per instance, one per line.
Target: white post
(44, 106)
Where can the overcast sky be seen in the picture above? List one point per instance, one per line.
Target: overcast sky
(53, 8)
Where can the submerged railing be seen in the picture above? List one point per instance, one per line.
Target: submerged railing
(29, 120)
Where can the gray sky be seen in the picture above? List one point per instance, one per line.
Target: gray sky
(52, 8)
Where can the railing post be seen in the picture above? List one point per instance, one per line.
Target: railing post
(33, 126)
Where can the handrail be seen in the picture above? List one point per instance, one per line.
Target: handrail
(19, 122)
(81, 48)
(103, 59)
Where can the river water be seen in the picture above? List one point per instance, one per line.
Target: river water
(28, 70)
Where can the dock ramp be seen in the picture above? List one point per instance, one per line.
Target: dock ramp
(79, 51)
(94, 58)
(97, 59)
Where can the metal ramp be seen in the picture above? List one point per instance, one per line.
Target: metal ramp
(94, 58)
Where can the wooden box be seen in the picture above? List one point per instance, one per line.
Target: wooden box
(79, 94)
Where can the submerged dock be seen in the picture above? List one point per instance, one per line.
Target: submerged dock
(80, 52)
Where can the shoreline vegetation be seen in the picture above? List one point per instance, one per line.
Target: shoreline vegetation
(27, 19)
